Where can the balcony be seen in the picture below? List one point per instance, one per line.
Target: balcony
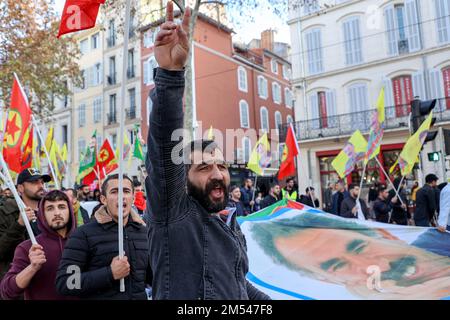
(131, 113)
(345, 124)
(131, 72)
(112, 118)
(111, 79)
(111, 41)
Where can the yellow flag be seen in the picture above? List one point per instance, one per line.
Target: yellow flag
(392, 169)
(409, 154)
(260, 157)
(64, 153)
(353, 151)
(49, 139)
(210, 133)
(127, 154)
(36, 155)
(376, 130)
(54, 149)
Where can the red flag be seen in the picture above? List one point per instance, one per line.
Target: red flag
(79, 15)
(19, 121)
(27, 156)
(290, 151)
(104, 158)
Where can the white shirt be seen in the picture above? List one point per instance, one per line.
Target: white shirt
(444, 204)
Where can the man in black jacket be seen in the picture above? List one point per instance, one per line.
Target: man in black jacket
(273, 197)
(349, 209)
(383, 205)
(426, 202)
(399, 209)
(90, 267)
(194, 253)
(307, 198)
(30, 185)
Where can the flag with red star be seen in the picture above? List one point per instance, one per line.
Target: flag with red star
(17, 125)
(105, 157)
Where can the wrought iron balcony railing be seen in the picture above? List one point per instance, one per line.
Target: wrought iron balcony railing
(112, 119)
(345, 124)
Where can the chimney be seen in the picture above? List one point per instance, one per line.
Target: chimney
(268, 39)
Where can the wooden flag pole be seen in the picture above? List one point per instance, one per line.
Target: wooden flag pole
(122, 130)
(390, 181)
(8, 180)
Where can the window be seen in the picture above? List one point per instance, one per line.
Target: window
(131, 67)
(276, 92)
(314, 51)
(81, 148)
(288, 98)
(262, 87)
(274, 66)
(149, 65)
(359, 102)
(83, 79)
(112, 34)
(402, 28)
(132, 111)
(286, 72)
(242, 79)
(289, 119)
(243, 110)
(82, 116)
(112, 109)
(403, 95)
(246, 148)
(278, 120)
(114, 141)
(264, 119)
(84, 46)
(98, 110)
(352, 41)
(96, 75)
(150, 37)
(112, 71)
(95, 41)
(323, 109)
(65, 132)
(443, 20)
(99, 141)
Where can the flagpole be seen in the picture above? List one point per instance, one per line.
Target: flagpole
(390, 181)
(254, 190)
(122, 130)
(9, 181)
(55, 178)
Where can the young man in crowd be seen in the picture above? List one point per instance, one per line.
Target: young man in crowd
(33, 270)
(93, 251)
(349, 209)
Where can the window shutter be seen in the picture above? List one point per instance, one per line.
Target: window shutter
(146, 70)
(331, 108)
(314, 111)
(412, 25)
(418, 85)
(389, 98)
(391, 30)
(436, 86)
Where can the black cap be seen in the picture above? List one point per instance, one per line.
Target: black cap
(32, 174)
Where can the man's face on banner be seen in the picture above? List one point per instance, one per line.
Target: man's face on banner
(344, 256)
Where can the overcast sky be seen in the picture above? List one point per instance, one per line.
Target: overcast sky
(264, 19)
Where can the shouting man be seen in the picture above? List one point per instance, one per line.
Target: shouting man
(196, 251)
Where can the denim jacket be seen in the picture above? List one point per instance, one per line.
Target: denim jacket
(193, 253)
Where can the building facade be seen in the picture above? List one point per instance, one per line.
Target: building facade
(236, 89)
(343, 55)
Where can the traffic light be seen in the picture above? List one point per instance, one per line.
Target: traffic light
(419, 112)
(434, 156)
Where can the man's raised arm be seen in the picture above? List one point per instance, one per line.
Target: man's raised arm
(166, 179)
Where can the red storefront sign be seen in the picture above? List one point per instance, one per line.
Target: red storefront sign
(403, 95)
(323, 109)
(446, 75)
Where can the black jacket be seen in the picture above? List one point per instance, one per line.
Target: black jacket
(268, 201)
(306, 200)
(194, 254)
(92, 248)
(349, 203)
(425, 204)
(381, 208)
(11, 232)
(399, 215)
(240, 212)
